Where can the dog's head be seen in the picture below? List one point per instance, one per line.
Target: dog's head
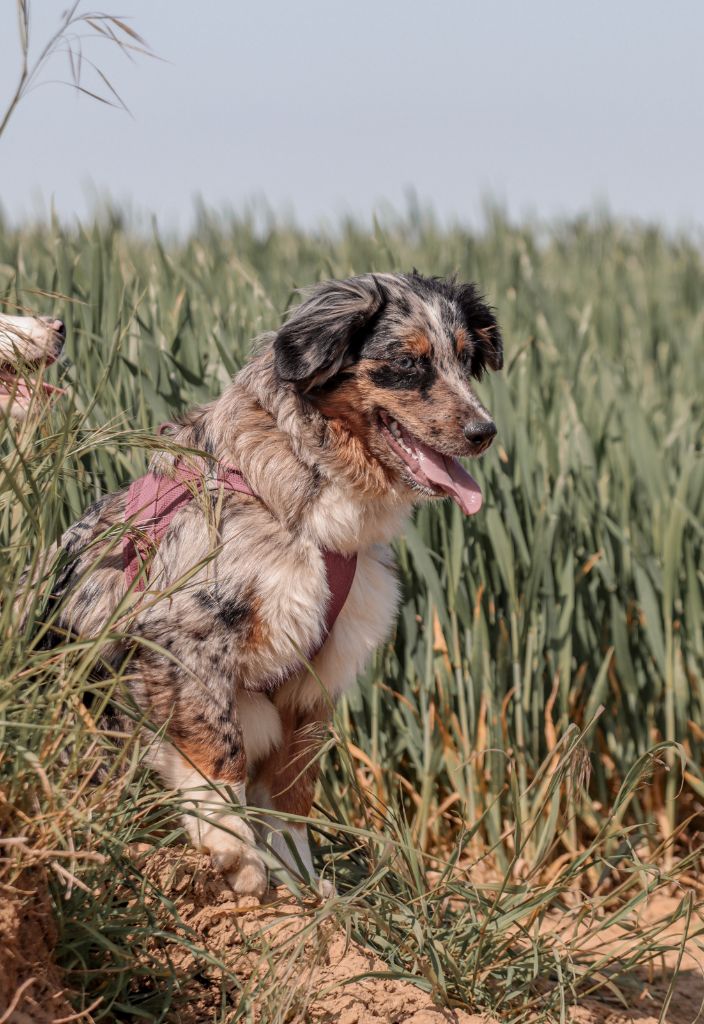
(26, 344)
(393, 357)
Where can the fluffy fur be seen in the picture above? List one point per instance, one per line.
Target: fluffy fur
(26, 344)
(216, 665)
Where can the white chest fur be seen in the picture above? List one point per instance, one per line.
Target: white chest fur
(364, 622)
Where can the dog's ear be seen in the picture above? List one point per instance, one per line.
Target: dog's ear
(324, 333)
(482, 324)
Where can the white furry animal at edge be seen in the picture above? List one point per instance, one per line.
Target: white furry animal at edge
(31, 338)
(28, 341)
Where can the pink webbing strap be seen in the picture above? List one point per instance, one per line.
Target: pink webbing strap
(152, 503)
(340, 570)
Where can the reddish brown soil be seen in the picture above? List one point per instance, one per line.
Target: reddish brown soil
(313, 975)
(30, 983)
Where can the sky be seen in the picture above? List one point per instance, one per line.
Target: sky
(324, 107)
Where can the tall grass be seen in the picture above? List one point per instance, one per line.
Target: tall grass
(561, 627)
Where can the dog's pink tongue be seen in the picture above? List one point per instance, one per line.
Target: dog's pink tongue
(451, 477)
(52, 389)
(22, 391)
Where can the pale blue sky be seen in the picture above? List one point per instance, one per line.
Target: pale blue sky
(322, 107)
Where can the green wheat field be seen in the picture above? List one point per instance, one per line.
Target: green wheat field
(522, 767)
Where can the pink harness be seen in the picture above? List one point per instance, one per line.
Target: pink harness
(152, 503)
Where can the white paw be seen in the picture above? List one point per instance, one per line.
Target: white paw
(250, 877)
(235, 855)
(278, 838)
(326, 889)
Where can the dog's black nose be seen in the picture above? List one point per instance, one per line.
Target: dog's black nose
(57, 326)
(480, 434)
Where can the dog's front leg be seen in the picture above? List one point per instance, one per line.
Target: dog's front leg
(285, 783)
(207, 764)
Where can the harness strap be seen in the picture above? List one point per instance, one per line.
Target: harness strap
(152, 503)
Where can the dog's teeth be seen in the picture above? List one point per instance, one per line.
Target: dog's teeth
(398, 436)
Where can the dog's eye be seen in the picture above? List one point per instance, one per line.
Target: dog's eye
(406, 363)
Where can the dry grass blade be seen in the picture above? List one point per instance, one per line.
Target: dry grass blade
(67, 38)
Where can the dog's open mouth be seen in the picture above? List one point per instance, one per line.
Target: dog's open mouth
(21, 387)
(441, 474)
(28, 344)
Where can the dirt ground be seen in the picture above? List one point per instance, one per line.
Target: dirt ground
(314, 974)
(31, 990)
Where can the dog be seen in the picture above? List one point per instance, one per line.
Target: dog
(27, 345)
(344, 419)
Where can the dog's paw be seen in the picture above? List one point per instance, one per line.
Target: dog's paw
(326, 889)
(235, 856)
(249, 879)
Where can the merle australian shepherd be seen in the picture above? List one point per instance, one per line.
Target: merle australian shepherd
(354, 411)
